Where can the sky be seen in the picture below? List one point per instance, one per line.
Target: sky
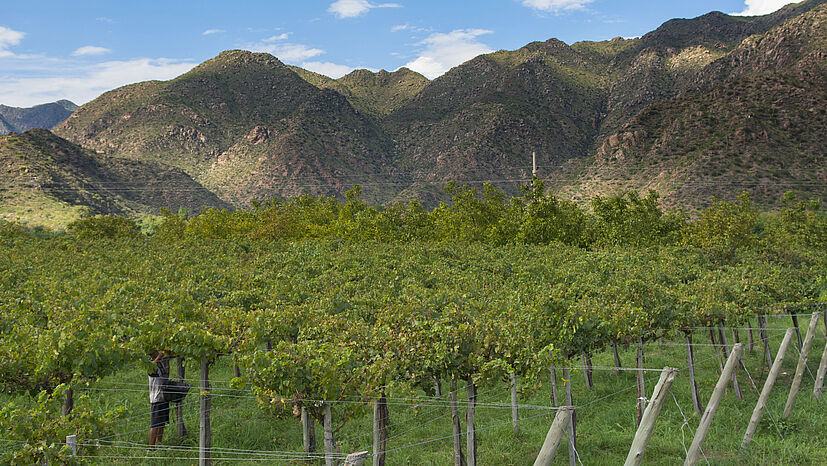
(76, 50)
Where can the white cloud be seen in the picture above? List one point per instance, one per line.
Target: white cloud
(277, 38)
(209, 32)
(407, 27)
(90, 50)
(444, 51)
(82, 83)
(762, 7)
(8, 38)
(290, 53)
(331, 70)
(354, 8)
(554, 6)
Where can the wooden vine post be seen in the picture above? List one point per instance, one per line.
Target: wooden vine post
(618, 364)
(553, 377)
(794, 317)
(725, 348)
(762, 334)
(647, 424)
(587, 370)
(802, 365)
(205, 434)
(693, 384)
(308, 432)
(459, 458)
(572, 434)
(765, 392)
(329, 442)
(694, 452)
(380, 430)
(515, 415)
(471, 431)
(641, 388)
(822, 368)
(356, 459)
(554, 436)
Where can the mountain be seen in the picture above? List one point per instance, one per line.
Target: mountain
(49, 181)
(680, 109)
(244, 125)
(754, 119)
(44, 116)
(484, 118)
(378, 94)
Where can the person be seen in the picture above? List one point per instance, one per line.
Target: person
(159, 409)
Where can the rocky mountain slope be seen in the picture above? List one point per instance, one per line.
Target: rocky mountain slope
(46, 180)
(44, 116)
(681, 104)
(755, 119)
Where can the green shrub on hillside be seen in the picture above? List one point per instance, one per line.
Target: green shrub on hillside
(104, 226)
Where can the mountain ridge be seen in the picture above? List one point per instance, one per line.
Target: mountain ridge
(46, 116)
(249, 127)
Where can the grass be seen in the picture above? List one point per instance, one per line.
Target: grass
(605, 418)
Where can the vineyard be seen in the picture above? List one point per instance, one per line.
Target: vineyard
(453, 335)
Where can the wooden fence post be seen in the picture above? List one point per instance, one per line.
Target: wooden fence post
(765, 392)
(205, 434)
(471, 431)
(515, 415)
(572, 434)
(379, 430)
(618, 364)
(762, 334)
(822, 368)
(641, 388)
(553, 377)
(329, 442)
(554, 436)
(72, 443)
(587, 370)
(356, 459)
(725, 344)
(706, 420)
(308, 432)
(647, 424)
(797, 329)
(802, 365)
(693, 384)
(459, 458)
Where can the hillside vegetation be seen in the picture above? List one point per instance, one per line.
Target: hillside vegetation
(50, 182)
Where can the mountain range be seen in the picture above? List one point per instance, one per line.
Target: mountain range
(46, 116)
(699, 107)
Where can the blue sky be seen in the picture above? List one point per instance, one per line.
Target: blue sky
(51, 50)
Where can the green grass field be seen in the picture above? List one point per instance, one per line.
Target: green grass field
(605, 416)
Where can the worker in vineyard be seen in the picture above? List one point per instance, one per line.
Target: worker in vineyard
(159, 409)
